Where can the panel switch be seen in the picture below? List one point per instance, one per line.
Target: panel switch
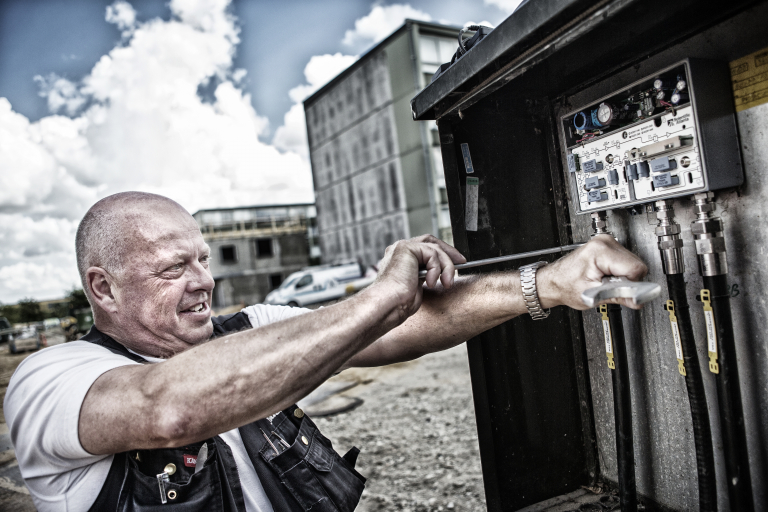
(613, 177)
(631, 170)
(573, 163)
(594, 182)
(592, 166)
(663, 164)
(643, 170)
(665, 180)
(595, 196)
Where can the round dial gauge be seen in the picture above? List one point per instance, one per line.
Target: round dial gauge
(604, 114)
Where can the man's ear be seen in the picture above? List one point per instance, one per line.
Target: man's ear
(100, 284)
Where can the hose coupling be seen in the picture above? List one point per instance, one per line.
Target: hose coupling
(600, 224)
(669, 238)
(707, 232)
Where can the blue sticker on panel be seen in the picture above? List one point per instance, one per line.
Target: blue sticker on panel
(467, 158)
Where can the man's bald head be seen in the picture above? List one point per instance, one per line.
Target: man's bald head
(109, 230)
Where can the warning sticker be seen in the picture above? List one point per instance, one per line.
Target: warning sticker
(750, 80)
(470, 218)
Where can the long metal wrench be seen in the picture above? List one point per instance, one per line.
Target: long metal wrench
(518, 256)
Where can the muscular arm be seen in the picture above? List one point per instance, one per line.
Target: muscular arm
(229, 381)
(237, 379)
(479, 302)
(447, 318)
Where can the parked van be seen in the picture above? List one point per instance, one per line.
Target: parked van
(316, 284)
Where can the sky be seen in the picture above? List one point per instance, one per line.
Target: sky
(198, 100)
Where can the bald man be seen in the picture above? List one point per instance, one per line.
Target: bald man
(161, 404)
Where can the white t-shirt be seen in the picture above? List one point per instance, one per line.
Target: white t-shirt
(42, 409)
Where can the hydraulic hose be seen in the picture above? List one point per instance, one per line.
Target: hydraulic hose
(622, 398)
(702, 433)
(707, 230)
(670, 245)
(729, 398)
(622, 409)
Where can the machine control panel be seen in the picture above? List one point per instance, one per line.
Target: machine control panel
(644, 143)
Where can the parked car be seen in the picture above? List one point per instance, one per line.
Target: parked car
(6, 331)
(52, 333)
(318, 284)
(27, 339)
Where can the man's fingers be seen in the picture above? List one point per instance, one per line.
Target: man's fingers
(452, 252)
(618, 261)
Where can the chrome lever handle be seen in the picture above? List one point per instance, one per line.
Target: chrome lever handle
(620, 287)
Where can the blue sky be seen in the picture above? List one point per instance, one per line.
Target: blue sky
(277, 40)
(198, 100)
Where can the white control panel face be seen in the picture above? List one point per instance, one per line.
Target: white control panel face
(663, 156)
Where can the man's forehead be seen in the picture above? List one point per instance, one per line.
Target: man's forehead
(161, 230)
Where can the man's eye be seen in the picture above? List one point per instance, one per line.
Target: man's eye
(205, 259)
(175, 267)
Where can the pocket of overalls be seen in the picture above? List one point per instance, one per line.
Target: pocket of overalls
(184, 491)
(319, 479)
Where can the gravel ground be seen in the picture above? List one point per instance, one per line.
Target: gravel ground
(417, 435)
(415, 429)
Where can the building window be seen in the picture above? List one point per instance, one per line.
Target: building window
(275, 280)
(264, 248)
(228, 254)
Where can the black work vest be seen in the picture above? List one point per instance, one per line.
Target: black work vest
(296, 464)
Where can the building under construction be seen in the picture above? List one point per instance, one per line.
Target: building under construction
(254, 248)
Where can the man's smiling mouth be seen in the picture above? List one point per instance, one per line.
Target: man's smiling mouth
(197, 308)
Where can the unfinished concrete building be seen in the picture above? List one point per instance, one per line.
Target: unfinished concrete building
(254, 248)
(378, 175)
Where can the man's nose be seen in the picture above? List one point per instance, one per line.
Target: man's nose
(203, 280)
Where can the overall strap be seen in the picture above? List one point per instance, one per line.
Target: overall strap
(97, 337)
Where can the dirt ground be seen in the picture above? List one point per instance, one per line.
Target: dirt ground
(417, 436)
(415, 429)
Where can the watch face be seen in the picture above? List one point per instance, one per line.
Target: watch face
(604, 113)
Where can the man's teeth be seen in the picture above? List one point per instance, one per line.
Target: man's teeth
(197, 309)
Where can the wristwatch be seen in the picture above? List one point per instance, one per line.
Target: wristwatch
(530, 295)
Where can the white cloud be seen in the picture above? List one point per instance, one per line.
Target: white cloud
(508, 6)
(321, 69)
(381, 22)
(135, 122)
(121, 14)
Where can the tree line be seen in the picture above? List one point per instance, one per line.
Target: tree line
(29, 310)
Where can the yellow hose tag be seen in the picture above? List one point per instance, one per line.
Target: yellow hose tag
(607, 333)
(709, 319)
(670, 306)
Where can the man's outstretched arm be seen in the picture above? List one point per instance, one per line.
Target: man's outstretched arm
(476, 303)
(237, 379)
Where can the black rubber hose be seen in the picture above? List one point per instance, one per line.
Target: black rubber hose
(622, 409)
(702, 434)
(729, 398)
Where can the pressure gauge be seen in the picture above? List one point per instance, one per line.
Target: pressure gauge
(680, 85)
(604, 114)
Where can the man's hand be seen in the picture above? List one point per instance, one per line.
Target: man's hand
(399, 269)
(562, 282)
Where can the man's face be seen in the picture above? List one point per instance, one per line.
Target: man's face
(164, 291)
